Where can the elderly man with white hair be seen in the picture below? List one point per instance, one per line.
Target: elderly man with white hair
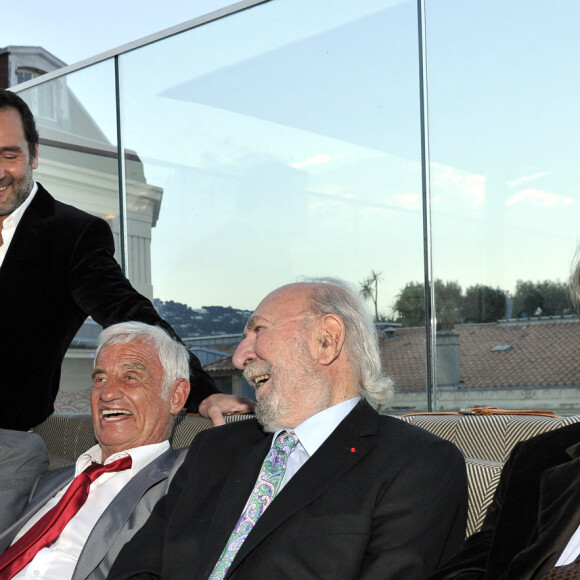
(320, 485)
(79, 517)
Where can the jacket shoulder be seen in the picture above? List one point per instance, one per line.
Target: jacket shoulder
(45, 205)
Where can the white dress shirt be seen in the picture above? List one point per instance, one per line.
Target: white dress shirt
(11, 223)
(312, 433)
(58, 561)
(572, 550)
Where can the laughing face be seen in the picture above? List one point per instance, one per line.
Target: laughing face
(15, 163)
(126, 399)
(278, 357)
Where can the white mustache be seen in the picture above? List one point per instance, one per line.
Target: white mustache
(256, 369)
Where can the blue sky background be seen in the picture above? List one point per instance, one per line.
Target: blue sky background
(74, 31)
(503, 86)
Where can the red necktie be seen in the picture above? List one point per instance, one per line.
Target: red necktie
(49, 527)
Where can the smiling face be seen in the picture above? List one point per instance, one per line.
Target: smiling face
(126, 399)
(15, 163)
(278, 355)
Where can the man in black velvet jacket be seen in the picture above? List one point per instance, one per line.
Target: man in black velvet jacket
(532, 527)
(57, 268)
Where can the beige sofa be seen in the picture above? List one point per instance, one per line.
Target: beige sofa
(484, 440)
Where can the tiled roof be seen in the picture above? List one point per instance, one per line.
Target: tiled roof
(220, 365)
(542, 354)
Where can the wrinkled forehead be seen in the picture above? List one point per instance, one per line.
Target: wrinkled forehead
(285, 302)
(121, 351)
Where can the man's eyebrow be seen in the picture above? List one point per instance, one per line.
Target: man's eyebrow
(133, 366)
(252, 323)
(11, 149)
(254, 320)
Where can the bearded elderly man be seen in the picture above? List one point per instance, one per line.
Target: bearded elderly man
(321, 485)
(139, 386)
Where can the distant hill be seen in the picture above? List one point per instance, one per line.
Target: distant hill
(204, 321)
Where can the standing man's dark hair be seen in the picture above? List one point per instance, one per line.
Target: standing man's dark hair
(10, 99)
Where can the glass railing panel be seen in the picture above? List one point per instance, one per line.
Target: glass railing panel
(78, 165)
(279, 142)
(503, 131)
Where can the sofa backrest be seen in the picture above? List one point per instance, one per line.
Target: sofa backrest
(67, 435)
(484, 440)
(489, 437)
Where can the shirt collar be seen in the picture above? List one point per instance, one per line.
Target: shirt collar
(141, 456)
(313, 432)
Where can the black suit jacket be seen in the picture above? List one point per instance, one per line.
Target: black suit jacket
(379, 499)
(59, 269)
(535, 511)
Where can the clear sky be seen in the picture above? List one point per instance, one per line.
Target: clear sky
(74, 31)
(271, 107)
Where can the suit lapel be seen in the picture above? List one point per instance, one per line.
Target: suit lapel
(559, 509)
(23, 248)
(233, 497)
(345, 447)
(558, 518)
(108, 527)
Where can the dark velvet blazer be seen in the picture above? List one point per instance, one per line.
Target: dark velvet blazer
(59, 269)
(379, 499)
(534, 513)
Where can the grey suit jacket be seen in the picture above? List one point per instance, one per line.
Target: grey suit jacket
(119, 522)
(23, 458)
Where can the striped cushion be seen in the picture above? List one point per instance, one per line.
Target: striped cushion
(66, 435)
(444, 426)
(483, 436)
(490, 437)
(188, 426)
(483, 477)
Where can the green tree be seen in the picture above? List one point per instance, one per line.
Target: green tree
(483, 304)
(448, 297)
(410, 304)
(548, 298)
(369, 288)
(556, 297)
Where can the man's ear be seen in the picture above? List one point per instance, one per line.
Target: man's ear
(179, 395)
(332, 340)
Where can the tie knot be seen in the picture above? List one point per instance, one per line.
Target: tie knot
(285, 442)
(94, 470)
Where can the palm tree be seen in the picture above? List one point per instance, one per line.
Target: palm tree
(369, 288)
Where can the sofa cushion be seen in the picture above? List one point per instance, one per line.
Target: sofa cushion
(188, 426)
(483, 477)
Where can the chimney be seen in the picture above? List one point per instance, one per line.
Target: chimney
(447, 358)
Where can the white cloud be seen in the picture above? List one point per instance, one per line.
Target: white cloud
(409, 201)
(525, 178)
(538, 198)
(453, 181)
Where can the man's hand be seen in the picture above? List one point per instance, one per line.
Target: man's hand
(216, 406)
